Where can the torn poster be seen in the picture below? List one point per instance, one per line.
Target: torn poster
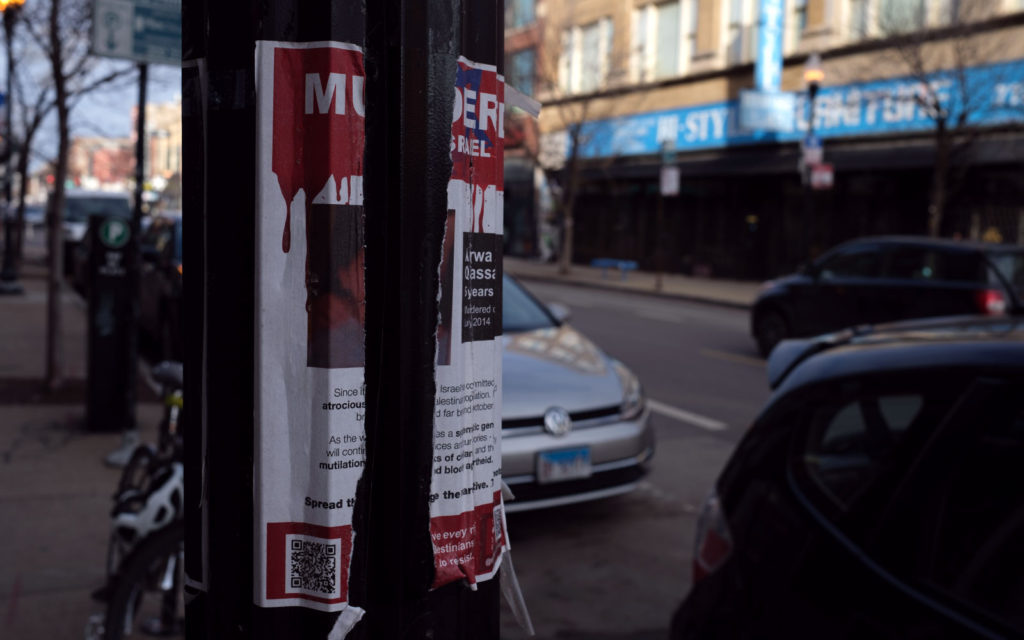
(310, 316)
(467, 524)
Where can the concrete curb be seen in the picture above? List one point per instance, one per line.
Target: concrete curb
(627, 289)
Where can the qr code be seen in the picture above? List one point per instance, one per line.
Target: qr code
(313, 565)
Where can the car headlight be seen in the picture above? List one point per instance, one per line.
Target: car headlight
(632, 392)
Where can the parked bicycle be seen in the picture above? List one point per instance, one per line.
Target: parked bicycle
(143, 591)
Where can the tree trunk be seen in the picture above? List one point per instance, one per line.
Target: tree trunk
(565, 258)
(54, 343)
(569, 202)
(22, 172)
(940, 174)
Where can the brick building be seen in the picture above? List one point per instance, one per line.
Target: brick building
(631, 85)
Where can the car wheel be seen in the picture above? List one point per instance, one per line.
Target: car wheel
(770, 330)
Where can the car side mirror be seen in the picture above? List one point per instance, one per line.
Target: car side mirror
(560, 312)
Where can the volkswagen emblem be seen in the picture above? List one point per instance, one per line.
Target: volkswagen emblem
(557, 421)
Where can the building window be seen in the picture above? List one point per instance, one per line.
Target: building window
(565, 58)
(740, 31)
(520, 70)
(638, 50)
(519, 13)
(693, 13)
(900, 16)
(666, 58)
(800, 16)
(583, 65)
(858, 24)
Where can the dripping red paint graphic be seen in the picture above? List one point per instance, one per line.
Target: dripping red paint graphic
(318, 125)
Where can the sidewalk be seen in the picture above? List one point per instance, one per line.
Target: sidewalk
(733, 293)
(55, 492)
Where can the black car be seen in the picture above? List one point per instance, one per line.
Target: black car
(879, 495)
(886, 279)
(160, 298)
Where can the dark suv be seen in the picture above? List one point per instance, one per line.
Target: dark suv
(879, 495)
(886, 279)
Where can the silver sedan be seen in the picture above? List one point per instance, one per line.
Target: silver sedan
(575, 425)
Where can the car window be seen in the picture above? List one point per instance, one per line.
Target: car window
(847, 443)
(1010, 266)
(79, 209)
(859, 262)
(922, 263)
(976, 551)
(519, 310)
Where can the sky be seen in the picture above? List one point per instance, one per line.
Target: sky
(104, 113)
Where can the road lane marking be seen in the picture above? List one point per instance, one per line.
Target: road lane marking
(733, 357)
(688, 417)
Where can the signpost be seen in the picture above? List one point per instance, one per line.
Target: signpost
(670, 180)
(822, 176)
(147, 31)
(811, 150)
(767, 110)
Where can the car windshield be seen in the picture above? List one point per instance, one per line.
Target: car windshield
(520, 311)
(79, 209)
(1010, 265)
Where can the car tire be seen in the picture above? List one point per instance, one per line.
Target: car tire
(771, 328)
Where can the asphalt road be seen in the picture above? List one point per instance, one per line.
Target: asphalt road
(616, 569)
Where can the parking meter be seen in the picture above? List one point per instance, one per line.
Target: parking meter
(112, 261)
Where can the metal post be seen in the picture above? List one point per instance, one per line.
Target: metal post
(659, 249)
(410, 53)
(808, 208)
(9, 273)
(409, 122)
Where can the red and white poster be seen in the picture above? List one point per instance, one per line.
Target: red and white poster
(310, 315)
(467, 524)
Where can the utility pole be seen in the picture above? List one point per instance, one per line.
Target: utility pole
(318, 187)
(9, 272)
(813, 77)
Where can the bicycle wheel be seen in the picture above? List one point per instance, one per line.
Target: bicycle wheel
(147, 598)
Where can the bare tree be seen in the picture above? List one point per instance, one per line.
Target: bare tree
(36, 101)
(60, 29)
(573, 87)
(937, 50)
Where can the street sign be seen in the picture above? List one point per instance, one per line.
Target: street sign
(147, 31)
(115, 233)
(812, 150)
(822, 176)
(768, 63)
(670, 181)
(767, 110)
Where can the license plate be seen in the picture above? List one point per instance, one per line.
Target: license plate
(566, 464)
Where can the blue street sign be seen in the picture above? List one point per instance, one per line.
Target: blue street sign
(147, 31)
(768, 64)
(876, 107)
(767, 111)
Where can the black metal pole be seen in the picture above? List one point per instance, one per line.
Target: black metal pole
(410, 62)
(412, 49)
(808, 204)
(9, 273)
(140, 147)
